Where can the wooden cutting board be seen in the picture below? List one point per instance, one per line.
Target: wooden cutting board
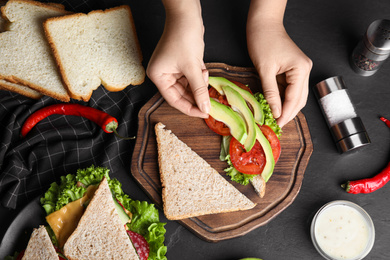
(281, 189)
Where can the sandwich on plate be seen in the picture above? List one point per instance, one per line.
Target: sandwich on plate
(90, 217)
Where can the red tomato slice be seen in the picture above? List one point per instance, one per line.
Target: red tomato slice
(20, 255)
(217, 126)
(252, 162)
(273, 140)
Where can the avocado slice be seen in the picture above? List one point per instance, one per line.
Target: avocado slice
(121, 212)
(269, 157)
(219, 82)
(239, 105)
(230, 118)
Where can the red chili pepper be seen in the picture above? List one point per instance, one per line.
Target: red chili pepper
(368, 185)
(385, 120)
(108, 123)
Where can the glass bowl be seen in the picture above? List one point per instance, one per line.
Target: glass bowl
(336, 224)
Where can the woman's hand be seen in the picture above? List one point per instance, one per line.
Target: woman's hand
(176, 66)
(283, 68)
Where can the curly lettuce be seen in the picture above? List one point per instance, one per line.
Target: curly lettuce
(145, 217)
(269, 119)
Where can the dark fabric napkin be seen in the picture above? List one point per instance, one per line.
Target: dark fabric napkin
(60, 144)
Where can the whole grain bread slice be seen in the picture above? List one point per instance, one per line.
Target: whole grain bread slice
(100, 233)
(40, 246)
(190, 186)
(100, 47)
(25, 55)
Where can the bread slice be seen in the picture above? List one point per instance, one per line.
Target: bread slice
(259, 185)
(20, 89)
(25, 55)
(191, 187)
(40, 246)
(100, 233)
(100, 47)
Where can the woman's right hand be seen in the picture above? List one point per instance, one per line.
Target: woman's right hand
(176, 66)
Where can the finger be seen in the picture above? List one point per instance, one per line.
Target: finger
(182, 101)
(195, 77)
(295, 100)
(271, 91)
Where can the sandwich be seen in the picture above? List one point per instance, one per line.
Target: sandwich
(40, 246)
(190, 186)
(250, 134)
(90, 217)
(100, 233)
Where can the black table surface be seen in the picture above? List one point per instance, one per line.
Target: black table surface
(327, 31)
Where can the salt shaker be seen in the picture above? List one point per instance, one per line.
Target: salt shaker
(373, 49)
(347, 128)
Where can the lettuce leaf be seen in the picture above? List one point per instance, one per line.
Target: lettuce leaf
(145, 217)
(269, 119)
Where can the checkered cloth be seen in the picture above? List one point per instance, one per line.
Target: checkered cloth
(62, 144)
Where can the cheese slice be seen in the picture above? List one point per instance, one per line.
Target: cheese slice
(64, 221)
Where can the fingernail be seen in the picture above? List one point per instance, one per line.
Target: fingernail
(275, 111)
(205, 107)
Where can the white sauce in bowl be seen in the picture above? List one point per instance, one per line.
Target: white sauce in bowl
(341, 231)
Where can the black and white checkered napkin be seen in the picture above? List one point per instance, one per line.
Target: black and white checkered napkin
(62, 144)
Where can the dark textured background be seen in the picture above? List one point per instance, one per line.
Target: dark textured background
(327, 32)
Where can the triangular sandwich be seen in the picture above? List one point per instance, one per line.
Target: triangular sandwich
(40, 246)
(191, 187)
(100, 233)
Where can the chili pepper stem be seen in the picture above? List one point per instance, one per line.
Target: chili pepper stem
(122, 137)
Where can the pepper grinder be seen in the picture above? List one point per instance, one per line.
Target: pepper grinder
(373, 49)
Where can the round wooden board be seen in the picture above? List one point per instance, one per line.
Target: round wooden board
(281, 189)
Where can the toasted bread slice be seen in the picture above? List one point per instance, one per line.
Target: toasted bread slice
(100, 233)
(25, 55)
(40, 246)
(191, 187)
(100, 47)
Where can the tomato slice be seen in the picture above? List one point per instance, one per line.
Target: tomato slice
(253, 162)
(217, 126)
(273, 140)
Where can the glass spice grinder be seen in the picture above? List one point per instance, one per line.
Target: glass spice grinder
(373, 49)
(344, 123)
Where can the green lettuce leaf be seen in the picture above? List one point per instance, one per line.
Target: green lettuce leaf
(269, 119)
(59, 195)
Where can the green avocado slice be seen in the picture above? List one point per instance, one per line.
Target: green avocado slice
(219, 82)
(230, 118)
(269, 157)
(239, 105)
(121, 212)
